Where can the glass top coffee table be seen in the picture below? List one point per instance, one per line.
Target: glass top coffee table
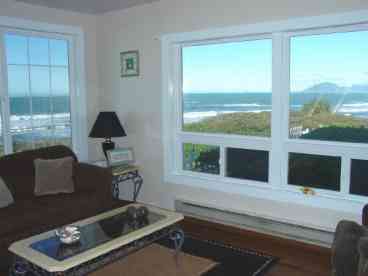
(104, 239)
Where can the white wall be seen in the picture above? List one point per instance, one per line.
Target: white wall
(11, 8)
(138, 100)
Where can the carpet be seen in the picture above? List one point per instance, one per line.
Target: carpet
(232, 261)
(198, 257)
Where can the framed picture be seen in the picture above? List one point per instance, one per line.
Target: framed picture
(120, 156)
(129, 62)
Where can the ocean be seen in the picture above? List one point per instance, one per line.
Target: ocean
(24, 127)
(198, 106)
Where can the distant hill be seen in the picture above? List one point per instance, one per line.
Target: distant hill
(360, 88)
(329, 87)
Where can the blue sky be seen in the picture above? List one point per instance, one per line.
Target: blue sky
(341, 58)
(36, 64)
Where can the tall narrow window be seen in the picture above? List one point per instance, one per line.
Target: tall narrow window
(38, 91)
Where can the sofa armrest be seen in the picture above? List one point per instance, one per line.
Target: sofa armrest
(95, 179)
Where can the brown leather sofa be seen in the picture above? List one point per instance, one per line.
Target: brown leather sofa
(30, 215)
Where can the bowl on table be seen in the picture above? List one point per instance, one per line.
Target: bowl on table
(68, 234)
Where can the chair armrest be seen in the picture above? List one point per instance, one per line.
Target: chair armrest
(91, 178)
(365, 215)
(345, 254)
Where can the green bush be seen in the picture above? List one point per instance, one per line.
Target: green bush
(316, 107)
(316, 118)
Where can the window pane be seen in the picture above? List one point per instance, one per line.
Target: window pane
(38, 51)
(59, 52)
(41, 101)
(16, 49)
(18, 81)
(315, 171)
(329, 87)
(43, 137)
(22, 140)
(247, 164)
(61, 104)
(359, 177)
(201, 158)
(227, 88)
(63, 135)
(40, 81)
(20, 104)
(59, 81)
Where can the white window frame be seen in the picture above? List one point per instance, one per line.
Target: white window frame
(77, 79)
(279, 144)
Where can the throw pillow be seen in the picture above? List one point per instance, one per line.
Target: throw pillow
(54, 176)
(6, 197)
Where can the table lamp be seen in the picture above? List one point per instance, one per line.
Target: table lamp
(107, 125)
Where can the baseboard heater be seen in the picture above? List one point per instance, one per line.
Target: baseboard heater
(259, 224)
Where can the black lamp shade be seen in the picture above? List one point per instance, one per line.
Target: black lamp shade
(107, 125)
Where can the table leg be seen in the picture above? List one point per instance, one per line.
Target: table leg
(177, 236)
(138, 181)
(115, 188)
(18, 268)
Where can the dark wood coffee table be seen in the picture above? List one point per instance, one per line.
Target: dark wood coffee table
(105, 238)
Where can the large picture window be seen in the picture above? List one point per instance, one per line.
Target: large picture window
(276, 110)
(227, 88)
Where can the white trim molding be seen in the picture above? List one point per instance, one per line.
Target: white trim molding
(279, 144)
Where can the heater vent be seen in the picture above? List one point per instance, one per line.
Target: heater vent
(263, 225)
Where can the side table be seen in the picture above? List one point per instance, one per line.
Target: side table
(121, 174)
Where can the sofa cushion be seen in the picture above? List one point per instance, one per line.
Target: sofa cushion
(54, 176)
(17, 169)
(6, 197)
(47, 212)
(20, 216)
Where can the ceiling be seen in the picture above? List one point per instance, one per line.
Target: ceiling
(88, 6)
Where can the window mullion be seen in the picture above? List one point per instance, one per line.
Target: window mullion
(223, 161)
(177, 109)
(4, 95)
(30, 93)
(52, 123)
(345, 174)
(276, 153)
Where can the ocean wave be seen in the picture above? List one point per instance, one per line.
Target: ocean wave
(244, 105)
(193, 117)
(354, 108)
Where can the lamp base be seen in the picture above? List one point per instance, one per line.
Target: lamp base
(107, 145)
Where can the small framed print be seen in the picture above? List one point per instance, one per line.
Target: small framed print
(129, 64)
(120, 156)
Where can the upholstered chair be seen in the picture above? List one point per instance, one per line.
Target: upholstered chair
(350, 248)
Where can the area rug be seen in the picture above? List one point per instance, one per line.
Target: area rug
(198, 257)
(231, 261)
